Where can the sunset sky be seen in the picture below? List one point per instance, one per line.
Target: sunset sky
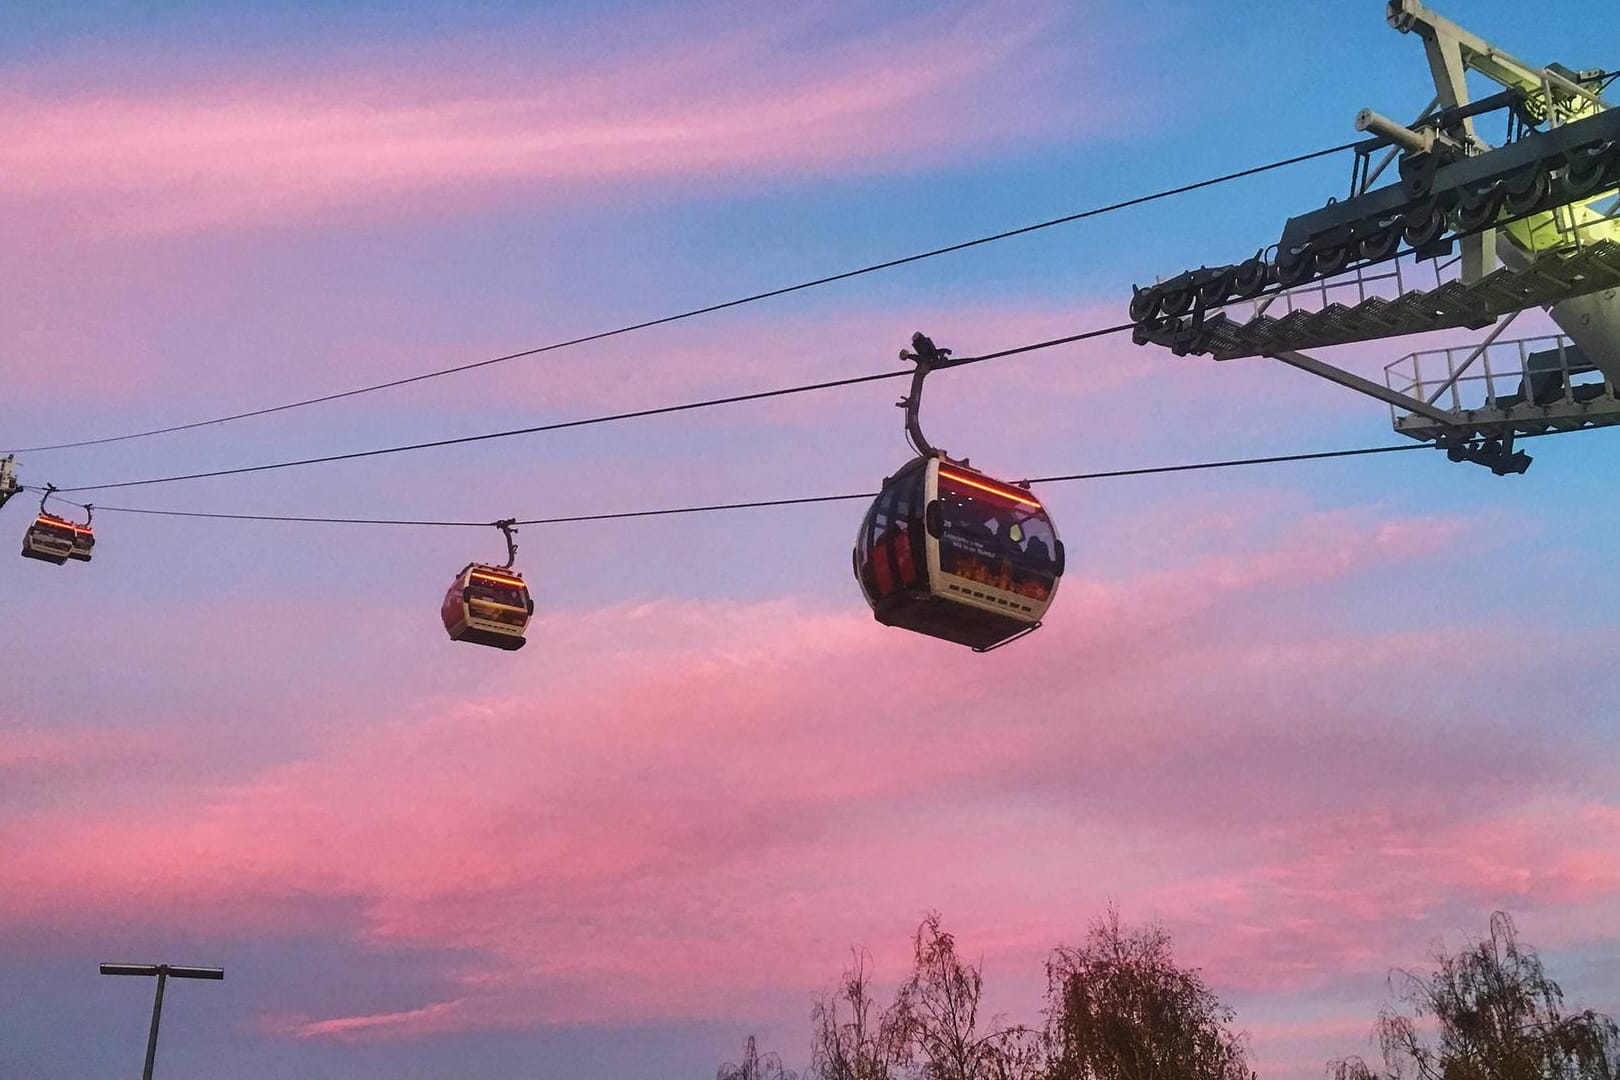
(1313, 718)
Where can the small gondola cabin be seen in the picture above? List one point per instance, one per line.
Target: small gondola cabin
(54, 540)
(952, 553)
(488, 605)
(84, 543)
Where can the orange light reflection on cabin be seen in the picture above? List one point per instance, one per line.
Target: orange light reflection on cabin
(50, 519)
(478, 575)
(1005, 493)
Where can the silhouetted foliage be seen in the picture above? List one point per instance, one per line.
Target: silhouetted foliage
(1350, 1068)
(755, 1066)
(1488, 1013)
(936, 1015)
(1118, 1008)
(853, 1039)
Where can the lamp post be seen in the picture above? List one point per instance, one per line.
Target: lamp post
(162, 971)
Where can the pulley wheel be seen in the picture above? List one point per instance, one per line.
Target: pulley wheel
(1527, 191)
(1144, 304)
(1586, 170)
(1176, 302)
(1215, 291)
(1424, 226)
(1294, 269)
(1378, 246)
(1331, 260)
(1478, 209)
(1250, 277)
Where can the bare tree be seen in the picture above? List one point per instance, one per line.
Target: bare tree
(1118, 1008)
(755, 1066)
(936, 1017)
(852, 1038)
(1495, 1015)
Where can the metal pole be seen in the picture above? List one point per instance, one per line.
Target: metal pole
(157, 1012)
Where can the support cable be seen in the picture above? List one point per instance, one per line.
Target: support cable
(708, 309)
(709, 508)
(590, 421)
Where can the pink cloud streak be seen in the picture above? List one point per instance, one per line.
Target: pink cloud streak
(736, 105)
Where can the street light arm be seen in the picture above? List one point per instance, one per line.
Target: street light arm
(196, 972)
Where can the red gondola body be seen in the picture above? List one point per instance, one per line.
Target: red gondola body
(952, 553)
(56, 540)
(487, 605)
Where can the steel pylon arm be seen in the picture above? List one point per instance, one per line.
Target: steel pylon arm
(1451, 49)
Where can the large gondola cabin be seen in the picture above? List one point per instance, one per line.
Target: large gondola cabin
(952, 553)
(488, 605)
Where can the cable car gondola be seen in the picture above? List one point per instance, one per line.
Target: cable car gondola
(84, 537)
(487, 604)
(950, 552)
(56, 540)
(50, 539)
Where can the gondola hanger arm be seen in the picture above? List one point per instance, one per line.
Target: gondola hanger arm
(508, 527)
(927, 357)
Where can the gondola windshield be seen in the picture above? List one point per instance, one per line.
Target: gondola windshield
(497, 597)
(996, 535)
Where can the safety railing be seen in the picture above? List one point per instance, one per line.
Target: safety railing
(1498, 375)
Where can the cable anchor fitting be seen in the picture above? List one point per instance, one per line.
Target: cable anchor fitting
(1496, 454)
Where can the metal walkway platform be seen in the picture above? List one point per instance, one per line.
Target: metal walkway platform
(1551, 278)
(1531, 386)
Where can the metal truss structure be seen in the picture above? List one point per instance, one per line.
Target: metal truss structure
(8, 478)
(1544, 205)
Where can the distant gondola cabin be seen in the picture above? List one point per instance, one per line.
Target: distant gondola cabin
(487, 605)
(55, 540)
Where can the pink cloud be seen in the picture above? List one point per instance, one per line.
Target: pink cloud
(681, 815)
(1364, 891)
(439, 1016)
(43, 749)
(238, 151)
